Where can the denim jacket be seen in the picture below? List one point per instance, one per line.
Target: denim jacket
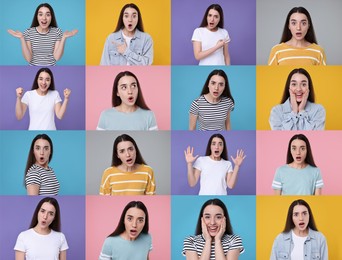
(140, 51)
(315, 246)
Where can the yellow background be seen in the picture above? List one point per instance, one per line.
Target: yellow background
(327, 82)
(271, 218)
(102, 17)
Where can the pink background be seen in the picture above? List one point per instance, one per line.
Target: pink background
(154, 81)
(271, 153)
(103, 214)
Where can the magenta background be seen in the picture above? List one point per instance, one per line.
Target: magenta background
(155, 82)
(72, 77)
(271, 153)
(103, 214)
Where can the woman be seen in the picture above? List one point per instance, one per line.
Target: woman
(43, 240)
(129, 174)
(298, 44)
(130, 239)
(300, 175)
(300, 238)
(129, 111)
(216, 171)
(128, 44)
(297, 109)
(214, 238)
(39, 178)
(212, 109)
(43, 102)
(43, 43)
(210, 40)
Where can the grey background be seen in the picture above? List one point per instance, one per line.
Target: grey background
(326, 18)
(154, 146)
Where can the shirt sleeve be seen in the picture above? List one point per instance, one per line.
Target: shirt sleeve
(277, 183)
(146, 55)
(106, 252)
(273, 59)
(105, 60)
(101, 125)
(32, 178)
(226, 35)
(27, 35)
(105, 188)
(26, 98)
(319, 180)
(194, 108)
(57, 97)
(151, 185)
(152, 122)
(20, 244)
(64, 244)
(236, 243)
(198, 164)
(188, 245)
(313, 119)
(59, 34)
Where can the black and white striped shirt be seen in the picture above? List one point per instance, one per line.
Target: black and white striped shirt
(44, 178)
(211, 116)
(43, 45)
(196, 243)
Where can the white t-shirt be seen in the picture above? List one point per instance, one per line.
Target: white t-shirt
(41, 247)
(208, 40)
(41, 109)
(213, 175)
(298, 249)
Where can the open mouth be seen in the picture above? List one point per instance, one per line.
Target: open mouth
(131, 99)
(129, 161)
(130, 26)
(217, 152)
(301, 225)
(133, 232)
(298, 158)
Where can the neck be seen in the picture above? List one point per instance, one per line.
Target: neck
(213, 29)
(212, 99)
(298, 165)
(298, 43)
(125, 236)
(125, 168)
(215, 158)
(301, 233)
(42, 231)
(41, 93)
(42, 30)
(126, 108)
(128, 33)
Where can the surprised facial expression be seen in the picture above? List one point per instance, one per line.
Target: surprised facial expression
(130, 19)
(298, 26)
(128, 90)
(42, 151)
(134, 222)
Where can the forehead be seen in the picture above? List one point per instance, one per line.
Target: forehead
(44, 9)
(42, 142)
(127, 80)
(213, 12)
(299, 77)
(217, 78)
(130, 10)
(125, 145)
(48, 207)
(298, 17)
(213, 210)
(298, 142)
(300, 208)
(44, 74)
(217, 140)
(135, 212)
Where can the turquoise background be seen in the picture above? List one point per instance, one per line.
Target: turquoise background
(18, 15)
(68, 160)
(187, 83)
(185, 211)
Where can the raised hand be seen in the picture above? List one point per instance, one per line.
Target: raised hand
(68, 34)
(16, 34)
(121, 47)
(189, 155)
(222, 229)
(20, 92)
(240, 156)
(302, 104)
(67, 93)
(205, 232)
(293, 101)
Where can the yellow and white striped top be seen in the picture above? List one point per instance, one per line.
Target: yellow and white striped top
(283, 54)
(139, 182)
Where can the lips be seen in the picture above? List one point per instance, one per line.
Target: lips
(129, 161)
(298, 158)
(301, 225)
(131, 99)
(133, 232)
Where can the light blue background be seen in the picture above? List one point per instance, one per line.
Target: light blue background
(18, 15)
(187, 83)
(185, 211)
(68, 160)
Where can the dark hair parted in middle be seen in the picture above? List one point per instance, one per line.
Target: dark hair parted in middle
(224, 154)
(216, 7)
(116, 101)
(120, 25)
(35, 22)
(309, 157)
(124, 138)
(289, 225)
(216, 202)
(35, 81)
(226, 92)
(287, 35)
(31, 159)
(286, 93)
(121, 225)
(56, 223)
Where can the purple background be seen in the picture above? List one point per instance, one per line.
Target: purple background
(180, 140)
(72, 77)
(16, 214)
(239, 21)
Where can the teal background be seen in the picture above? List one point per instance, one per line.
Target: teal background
(68, 160)
(185, 211)
(187, 83)
(18, 15)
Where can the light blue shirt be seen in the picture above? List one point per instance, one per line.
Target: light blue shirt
(140, 119)
(121, 249)
(140, 51)
(293, 181)
(283, 118)
(315, 246)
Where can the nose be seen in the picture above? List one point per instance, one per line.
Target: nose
(212, 221)
(298, 26)
(134, 224)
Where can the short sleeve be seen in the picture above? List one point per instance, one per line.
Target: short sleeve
(230, 167)
(57, 97)
(32, 178)
(194, 108)
(26, 34)
(26, 98)
(198, 164)
(105, 185)
(196, 36)
(64, 243)
(20, 245)
(226, 35)
(106, 252)
(319, 180)
(101, 125)
(188, 245)
(152, 122)
(277, 184)
(151, 185)
(59, 34)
